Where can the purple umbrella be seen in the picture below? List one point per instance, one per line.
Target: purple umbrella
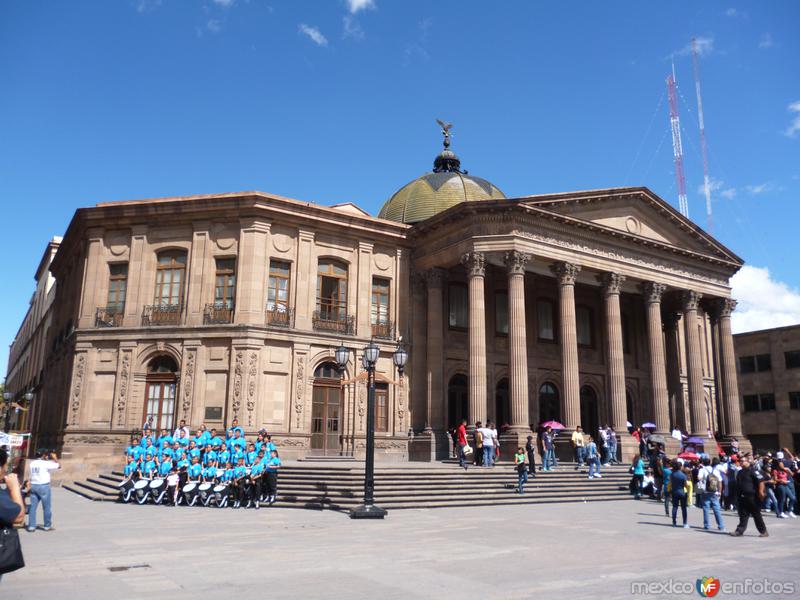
(696, 440)
(552, 425)
(649, 425)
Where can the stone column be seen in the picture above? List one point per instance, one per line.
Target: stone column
(517, 341)
(435, 351)
(252, 271)
(673, 367)
(694, 365)
(363, 290)
(658, 372)
(418, 403)
(199, 284)
(93, 276)
(570, 398)
(475, 263)
(611, 283)
(730, 387)
(136, 296)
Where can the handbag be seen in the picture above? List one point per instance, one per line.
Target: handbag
(10, 550)
(467, 450)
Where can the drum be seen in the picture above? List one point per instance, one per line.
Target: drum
(156, 485)
(190, 493)
(142, 488)
(205, 493)
(158, 490)
(220, 495)
(204, 487)
(125, 490)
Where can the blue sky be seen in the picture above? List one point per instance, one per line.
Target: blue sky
(336, 100)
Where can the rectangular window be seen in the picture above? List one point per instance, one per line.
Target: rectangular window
(379, 310)
(225, 288)
(750, 403)
(545, 321)
(381, 408)
(169, 278)
(794, 401)
(583, 322)
(501, 312)
(767, 401)
(763, 362)
(278, 286)
(117, 288)
(792, 359)
(747, 364)
(457, 309)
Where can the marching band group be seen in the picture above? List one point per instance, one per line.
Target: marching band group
(176, 468)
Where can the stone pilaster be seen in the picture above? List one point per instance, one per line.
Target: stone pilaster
(615, 360)
(135, 298)
(570, 398)
(673, 367)
(475, 262)
(363, 290)
(252, 272)
(694, 365)
(92, 274)
(306, 276)
(730, 386)
(659, 398)
(435, 279)
(199, 284)
(418, 404)
(517, 341)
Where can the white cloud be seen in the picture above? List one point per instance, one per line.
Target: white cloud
(314, 34)
(352, 29)
(147, 5)
(760, 188)
(355, 6)
(731, 12)
(728, 194)
(794, 126)
(713, 185)
(705, 46)
(763, 302)
(213, 25)
(766, 41)
(224, 3)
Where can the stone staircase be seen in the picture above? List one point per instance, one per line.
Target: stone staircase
(340, 486)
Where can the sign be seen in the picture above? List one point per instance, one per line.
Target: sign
(12, 439)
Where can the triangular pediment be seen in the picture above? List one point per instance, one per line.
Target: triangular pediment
(636, 212)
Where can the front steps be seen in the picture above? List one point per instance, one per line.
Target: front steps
(339, 486)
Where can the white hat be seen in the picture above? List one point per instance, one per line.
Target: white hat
(779, 455)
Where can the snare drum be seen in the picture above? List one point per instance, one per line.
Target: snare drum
(190, 493)
(156, 484)
(204, 487)
(142, 490)
(189, 487)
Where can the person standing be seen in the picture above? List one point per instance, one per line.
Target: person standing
(549, 450)
(12, 507)
(578, 446)
(750, 494)
(637, 469)
(605, 453)
(40, 488)
(709, 489)
(677, 482)
(272, 467)
(530, 448)
(520, 462)
(592, 459)
(611, 435)
(477, 437)
(487, 433)
(666, 470)
(461, 443)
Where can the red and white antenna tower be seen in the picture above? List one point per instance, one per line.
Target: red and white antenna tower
(677, 148)
(706, 180)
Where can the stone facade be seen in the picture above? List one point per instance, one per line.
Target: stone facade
(588, 307)
(769, 386)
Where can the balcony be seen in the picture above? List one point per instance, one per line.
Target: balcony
(110, 316)
(220, 313)
(161, 314)
(280, 316)
(335, 321)
(383, 329)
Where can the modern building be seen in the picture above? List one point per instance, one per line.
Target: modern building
(590, 307)
(769, 385)
(29, 350)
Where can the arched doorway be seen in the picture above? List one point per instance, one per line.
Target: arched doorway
(590, 420)
(326, 407)
(501, 403)
(160, 389)
(549, 405)
(457, 400)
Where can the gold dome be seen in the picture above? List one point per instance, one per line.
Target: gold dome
(435, 192)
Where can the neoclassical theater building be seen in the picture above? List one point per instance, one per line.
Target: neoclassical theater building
(591, 307)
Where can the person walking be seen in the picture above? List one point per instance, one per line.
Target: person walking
(40, 488)
(666, 470)
(750, 494)
(677, 482)
(461, 443)
(611, 435)
(12, 508)
(578, 446)
(637, 469)
(709, 489)
(530, 448)
(521, 464)
(592, 459)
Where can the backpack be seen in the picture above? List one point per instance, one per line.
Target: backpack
(712, 483)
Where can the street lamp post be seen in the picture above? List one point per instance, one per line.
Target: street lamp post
(368, 510)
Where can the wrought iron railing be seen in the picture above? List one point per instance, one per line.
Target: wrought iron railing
(161, 314)
(218, 313)
(110, 316)
(336, 321)
(383, 329)
(280, 316)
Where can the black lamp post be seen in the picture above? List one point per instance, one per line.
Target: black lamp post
(368, 510)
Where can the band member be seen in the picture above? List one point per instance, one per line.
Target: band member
(164, 451)
(239, 483)
(195, 470)
(251, 457)
(227, 478)
(256, 485)
(164, 437)
(194, 451)
(216, 441)
(149, 468)
(131, 475)
(210, 455)
(135, 450)
(236, 454)
(149, 444)
(269, 446)
(234, 428)
(182, 438)
(224, 456)
(273, 465)
(165, 467)
(182, 427)
(210, 472)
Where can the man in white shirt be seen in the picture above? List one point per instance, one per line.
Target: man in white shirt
(710, 487)
(39, 488)
(489, 435)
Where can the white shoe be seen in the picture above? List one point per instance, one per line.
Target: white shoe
(590, 477)
(782, 516)
(792, 515)
(599, 476)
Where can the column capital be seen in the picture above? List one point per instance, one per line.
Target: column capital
(565, 272)
(653, 291)
(516, 261)
(435, 277)
(670, 319)
(723, 307)
(611, 283)
(690, 300)
(475, 262)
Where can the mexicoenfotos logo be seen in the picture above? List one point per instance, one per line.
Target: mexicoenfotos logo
(708, 587)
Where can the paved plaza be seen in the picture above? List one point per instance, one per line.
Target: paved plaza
(589, 550)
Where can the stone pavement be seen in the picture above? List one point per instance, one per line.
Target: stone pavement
(497, 553)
